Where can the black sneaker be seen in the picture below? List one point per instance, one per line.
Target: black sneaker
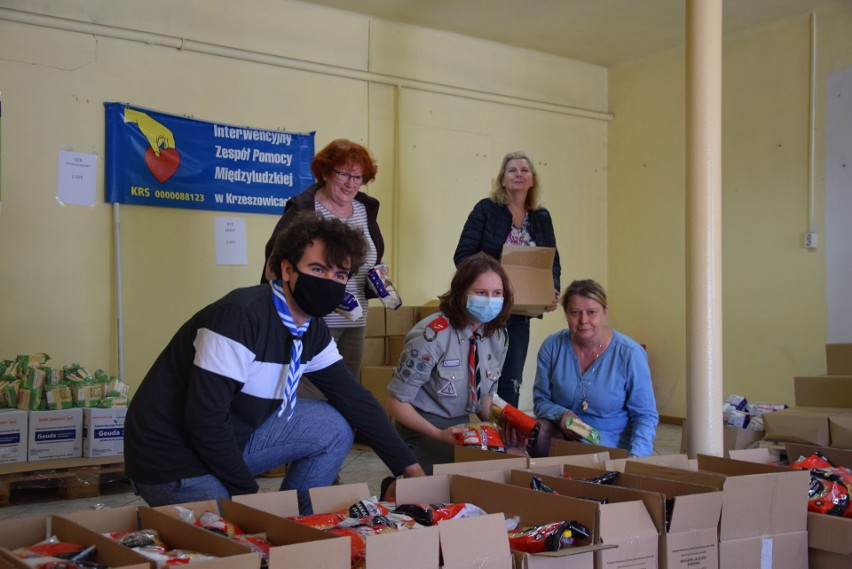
(385, 485)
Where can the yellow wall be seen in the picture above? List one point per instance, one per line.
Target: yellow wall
(438, 111)
(774, 322)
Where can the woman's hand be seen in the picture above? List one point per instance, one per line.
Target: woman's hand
(569, 434)
(552, 307)
(448, 435)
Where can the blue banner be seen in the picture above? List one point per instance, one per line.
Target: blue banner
(163, 160)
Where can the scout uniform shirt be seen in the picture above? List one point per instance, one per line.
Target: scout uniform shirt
(432, 373)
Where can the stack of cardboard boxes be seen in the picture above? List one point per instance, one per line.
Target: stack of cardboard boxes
(823, 412)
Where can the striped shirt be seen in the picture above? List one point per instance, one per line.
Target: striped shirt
(358, 282)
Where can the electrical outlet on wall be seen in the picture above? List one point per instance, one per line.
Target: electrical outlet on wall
(811, 240)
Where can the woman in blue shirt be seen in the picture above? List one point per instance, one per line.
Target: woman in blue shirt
(597, 374)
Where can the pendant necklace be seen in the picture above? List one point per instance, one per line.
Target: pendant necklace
(584, 404)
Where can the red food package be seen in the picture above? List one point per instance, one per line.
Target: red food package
(215, 522)
(431, 514)
(546, 537)
(319, 521)
(829, 488)
(485, 436)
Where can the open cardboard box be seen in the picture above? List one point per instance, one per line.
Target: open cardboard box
(176, 533)
(482, 542)
(623, 518)
(23, 532)
(530, 270)
(294, 545)
(763, 521)
(419, 547)
(829, 537)
(687, 515)
(673, 460)
(806, 425)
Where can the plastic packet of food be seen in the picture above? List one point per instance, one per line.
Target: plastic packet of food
(485, 436)
(378, 279)
(350, 307)
(505, 414)
(586, 431)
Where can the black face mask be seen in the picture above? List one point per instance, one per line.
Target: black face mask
(317, 296)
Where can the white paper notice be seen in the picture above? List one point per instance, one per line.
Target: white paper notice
(77, 178)
(231, 241)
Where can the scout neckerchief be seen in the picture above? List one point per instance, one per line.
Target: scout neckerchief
(294, 372)
(473, 375)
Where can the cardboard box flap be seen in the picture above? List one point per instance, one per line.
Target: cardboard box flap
(423, 489)
(672, 460)
(711, 479)
(759, 498)
(475, 542)
(106, 520)
(327, 499)
(284, 503)
(20, 532)
(529, 257)
(623, 522)
(695, 511)
(419, 548)
(838, 456)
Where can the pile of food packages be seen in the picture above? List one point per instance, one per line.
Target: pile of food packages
(31, 383)
(737, 411)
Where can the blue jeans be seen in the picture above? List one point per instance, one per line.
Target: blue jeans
(509, 386)
(314, 443)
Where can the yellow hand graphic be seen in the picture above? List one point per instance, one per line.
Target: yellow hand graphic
(157, 134)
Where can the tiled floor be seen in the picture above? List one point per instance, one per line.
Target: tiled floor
(362, 465)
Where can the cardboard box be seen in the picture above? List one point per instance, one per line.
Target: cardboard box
(393, 349)
(375, 327)
(15, 533)
(838, 359)
(55, 434)
(176, 534)
(671, 460)
(294, 546)
(623, 518)
(13, 435)
(686, 515)
(840, 430)
(808, 425)
(103, 431)
(764, 507)
(823, 391)
(530, 270)
(735, 438)
(829, 537)
(376, 379)
(374, 352)
(475, 542)
(418, 547)
(398, 322)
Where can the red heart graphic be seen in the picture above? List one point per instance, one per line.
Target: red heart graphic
(164, 165)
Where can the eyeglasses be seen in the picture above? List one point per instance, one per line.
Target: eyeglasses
(346, 176)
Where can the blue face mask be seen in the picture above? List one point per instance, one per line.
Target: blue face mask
(484, 309)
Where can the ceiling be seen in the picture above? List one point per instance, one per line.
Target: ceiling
(602, 32)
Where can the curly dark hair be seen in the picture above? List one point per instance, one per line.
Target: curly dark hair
(342, 153)
(454, 301)
(343, 244)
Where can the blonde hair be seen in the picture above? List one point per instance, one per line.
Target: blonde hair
(499, 193)
(586, 288)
